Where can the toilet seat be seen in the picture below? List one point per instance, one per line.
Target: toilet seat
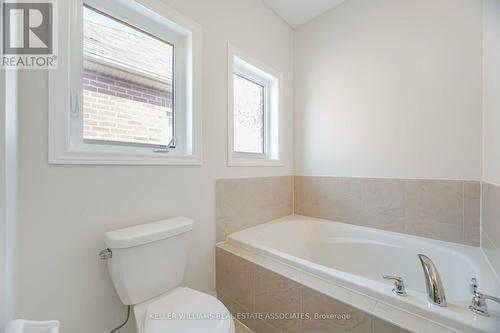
(183, 310)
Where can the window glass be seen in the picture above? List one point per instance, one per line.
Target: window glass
(127, 83)
(248, 115)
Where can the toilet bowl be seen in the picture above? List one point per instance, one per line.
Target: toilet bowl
(146, 264)
(183, 310)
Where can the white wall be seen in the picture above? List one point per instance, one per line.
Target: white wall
(64, 210)
(390, 88)
(3, 198)
(491, 97)
(8, 192)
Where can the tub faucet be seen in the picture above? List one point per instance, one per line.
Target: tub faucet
(478, 305)
(433, 284)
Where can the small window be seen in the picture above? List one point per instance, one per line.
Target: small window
(254, 113)
(249, 111)
(128, 89)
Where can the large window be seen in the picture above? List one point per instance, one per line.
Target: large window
(254, 112)
(127, 83)
(129, 74)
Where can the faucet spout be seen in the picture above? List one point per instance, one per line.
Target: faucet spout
(433, 284)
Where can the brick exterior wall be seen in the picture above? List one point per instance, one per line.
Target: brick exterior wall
(119, 110)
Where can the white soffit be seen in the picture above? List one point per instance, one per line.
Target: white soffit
(298, 12)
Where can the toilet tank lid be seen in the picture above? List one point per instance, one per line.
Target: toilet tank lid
(147, 233)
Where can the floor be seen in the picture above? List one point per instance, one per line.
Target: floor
(240, 328)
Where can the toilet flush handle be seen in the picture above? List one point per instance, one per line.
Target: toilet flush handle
(105, 254)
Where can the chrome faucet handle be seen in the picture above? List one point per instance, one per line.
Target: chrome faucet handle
(478, 305)
(399, 285)
(473, 285)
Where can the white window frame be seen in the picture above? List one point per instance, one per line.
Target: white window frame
(66, 144)
(258, 72)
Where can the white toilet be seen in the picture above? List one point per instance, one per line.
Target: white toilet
(146, 264)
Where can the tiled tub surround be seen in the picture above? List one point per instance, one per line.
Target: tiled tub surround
(241, 203)
(248, 288)
(446, 210)
(274, 268)
(491, 224)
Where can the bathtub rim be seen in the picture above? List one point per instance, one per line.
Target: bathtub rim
(379, 304)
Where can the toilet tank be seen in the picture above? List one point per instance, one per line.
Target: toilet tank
(148, 260)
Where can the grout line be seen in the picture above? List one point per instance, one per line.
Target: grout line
(405, 228)
(481, 214)
(391, 178)
(463, 211)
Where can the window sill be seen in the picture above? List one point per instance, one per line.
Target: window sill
(88, 158)
(248, 162)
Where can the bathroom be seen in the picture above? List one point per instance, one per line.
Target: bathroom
(300, 151)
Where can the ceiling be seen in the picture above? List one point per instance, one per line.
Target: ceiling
(298, 12)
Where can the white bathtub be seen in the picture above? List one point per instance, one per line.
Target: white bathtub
(355, 258)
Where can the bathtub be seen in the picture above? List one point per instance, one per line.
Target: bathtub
(347, 262)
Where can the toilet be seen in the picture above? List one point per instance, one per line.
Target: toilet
(146, 264)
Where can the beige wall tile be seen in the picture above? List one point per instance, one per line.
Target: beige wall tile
(238, 311)
(434, 201)
(491, 213)
(380, 326)
(491, 224)
(439, 209)
(234, 278)
(241, 328)
(337, 199)
(472, 235)
(489, 210)
(382, 204)
(440, 231)
(492, 252)
(472, 203)
(315, 303)
(496, 221)
(382, 222)
(383, 196)
(245, 202)
(263, 327)
(277, 294)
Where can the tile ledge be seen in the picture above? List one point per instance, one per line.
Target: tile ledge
(490, 182)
